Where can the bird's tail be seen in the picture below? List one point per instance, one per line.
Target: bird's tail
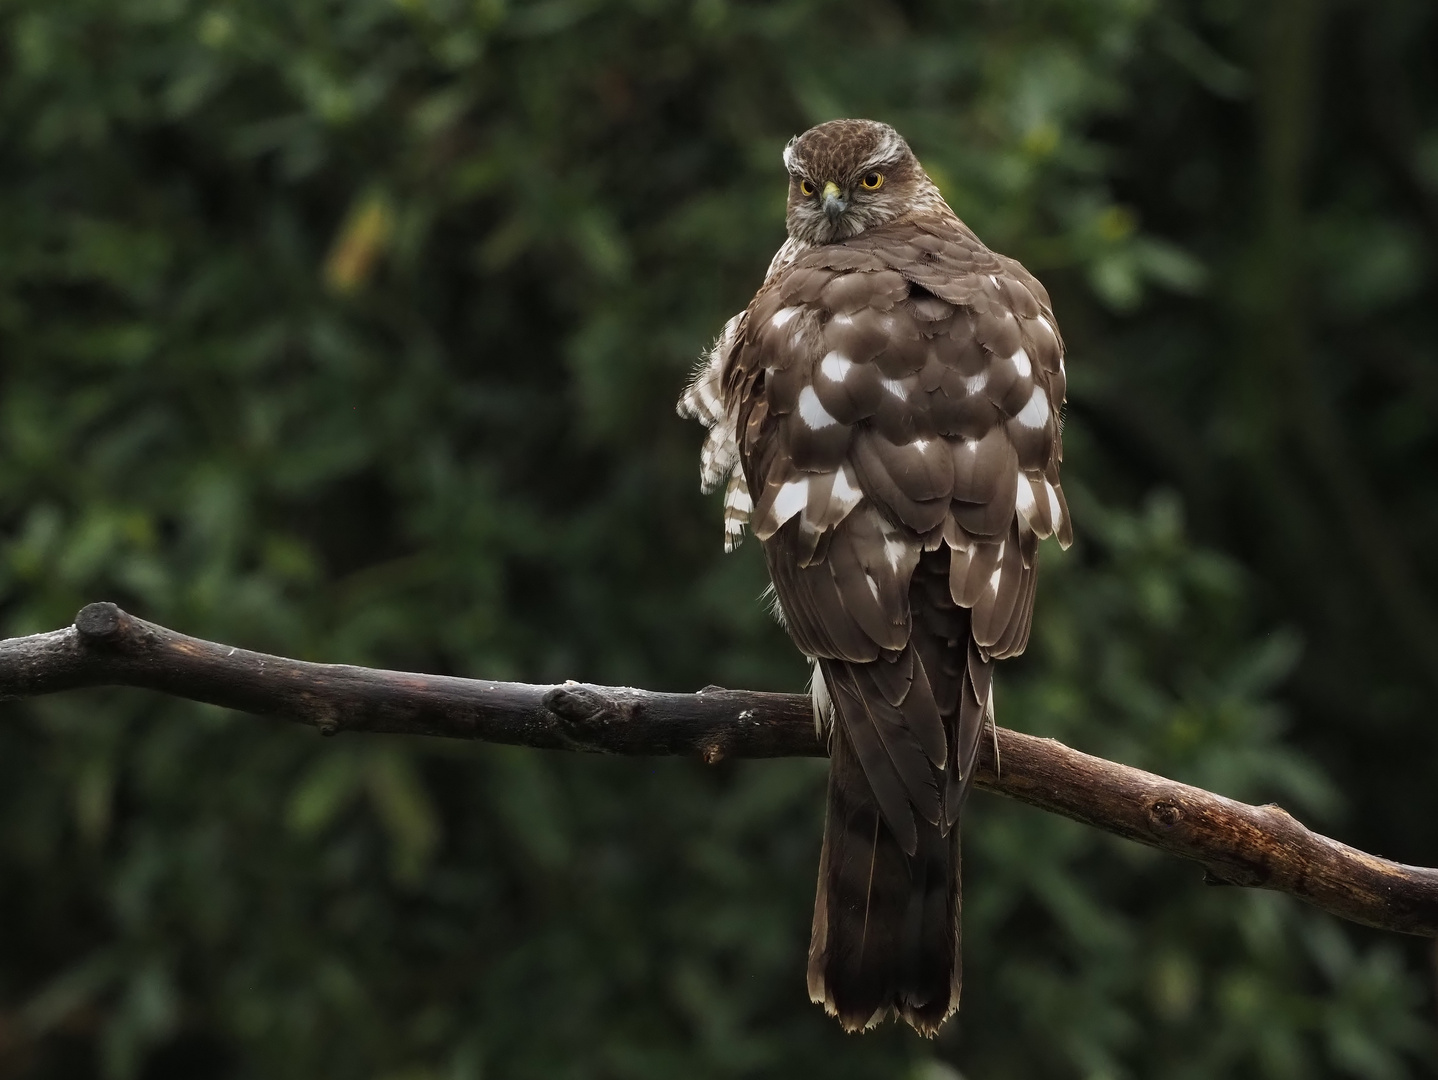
(886, 923)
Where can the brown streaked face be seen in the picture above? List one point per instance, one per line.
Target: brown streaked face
(847, 176)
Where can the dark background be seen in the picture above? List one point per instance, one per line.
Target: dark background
(351, 330)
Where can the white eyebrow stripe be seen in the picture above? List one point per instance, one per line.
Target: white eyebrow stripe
(886, 153)
(876, 163)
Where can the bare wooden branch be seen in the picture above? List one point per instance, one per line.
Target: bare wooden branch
(1238, 844)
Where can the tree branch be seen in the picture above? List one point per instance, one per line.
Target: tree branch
(1238, 844)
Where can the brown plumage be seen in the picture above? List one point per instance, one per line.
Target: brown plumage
(886, 413)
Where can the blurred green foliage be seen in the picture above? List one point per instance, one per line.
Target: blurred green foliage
(351, 329)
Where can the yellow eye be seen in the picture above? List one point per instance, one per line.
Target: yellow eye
(806, 189)
(873, 182)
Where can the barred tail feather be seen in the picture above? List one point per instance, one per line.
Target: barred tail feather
(886, 924)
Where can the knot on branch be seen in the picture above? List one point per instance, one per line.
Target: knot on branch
(100, 622)
(1165, 814)
(581, 706)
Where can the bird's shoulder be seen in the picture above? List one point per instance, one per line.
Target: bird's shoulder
(899, 280)
(906, 351)
(896, 393)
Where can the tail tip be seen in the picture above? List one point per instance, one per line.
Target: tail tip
(925, 1020)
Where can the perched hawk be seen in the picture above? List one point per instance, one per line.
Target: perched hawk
(885, 414)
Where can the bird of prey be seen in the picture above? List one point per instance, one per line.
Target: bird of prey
(886, 416)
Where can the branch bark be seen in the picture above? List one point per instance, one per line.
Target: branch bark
(1236, 843)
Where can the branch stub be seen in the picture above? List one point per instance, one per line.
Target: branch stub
(99, 622)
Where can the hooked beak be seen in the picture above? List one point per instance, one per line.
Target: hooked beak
(834, 203)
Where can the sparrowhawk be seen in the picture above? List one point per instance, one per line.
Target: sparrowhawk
(886, 416)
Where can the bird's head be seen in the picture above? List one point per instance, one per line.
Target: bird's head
(850, 175)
